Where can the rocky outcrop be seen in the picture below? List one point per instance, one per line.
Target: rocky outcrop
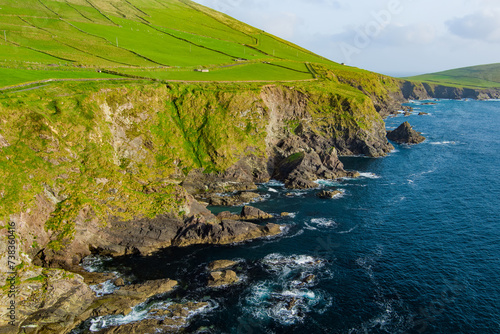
(329, 194)
(222, 278)
(166, 320)
(247, 213)
(230, 199)
(405, 134)
(123, 299)
(226, 232)
(221, 264)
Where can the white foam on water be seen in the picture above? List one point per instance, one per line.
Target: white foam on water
(94, 263)
(348, 231)
(274, 183)
(272, 190)
(327, 183)
(444, 143)
(138, 314)
(278, 263)
(105, 288)
(309, 227)
(324, 222)
(141, 312)
(369, 175)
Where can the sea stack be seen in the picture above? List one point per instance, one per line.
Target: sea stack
(405, 134)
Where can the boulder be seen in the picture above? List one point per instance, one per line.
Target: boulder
(222, 278)
(328, 194)
(221, 264)
(251, 213)
(405, 134)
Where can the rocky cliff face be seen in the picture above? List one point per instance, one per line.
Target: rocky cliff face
(116, 170)
(422, 91)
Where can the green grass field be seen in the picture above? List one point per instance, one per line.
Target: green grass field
(483, 76)
(160, 39)
(11, 77)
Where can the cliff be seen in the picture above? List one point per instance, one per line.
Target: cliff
(414, 90)
(116, 169)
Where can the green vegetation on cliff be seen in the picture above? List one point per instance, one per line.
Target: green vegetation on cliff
(475, 77)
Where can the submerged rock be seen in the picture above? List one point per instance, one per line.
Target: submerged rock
(405, 134)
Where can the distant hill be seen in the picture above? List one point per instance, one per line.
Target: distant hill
(477, 77)
(162, 39)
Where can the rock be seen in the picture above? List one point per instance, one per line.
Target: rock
(300, 183)
(167, 320)
(429, 104)
(251, 213)
(285, 214)
(308, 279)
(230, 200)
(422, 113)
(119, 282)
(407, 113)
(226, 215)
(328, 194)
(405, 134)
(66, 298)
(221, 264)
(222, 278)
(222, 233)
(122, 300)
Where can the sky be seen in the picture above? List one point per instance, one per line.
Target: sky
(393, 37)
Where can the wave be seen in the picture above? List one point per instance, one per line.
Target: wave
(274, 183)
(324, 222)
(105, 288)
(291, 294)
(369, 175)
(327, 183)
(443, 143)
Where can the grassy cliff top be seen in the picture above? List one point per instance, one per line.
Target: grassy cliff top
(160, 39)
(482, 76)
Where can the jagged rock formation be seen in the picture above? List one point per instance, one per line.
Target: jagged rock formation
(405, 134)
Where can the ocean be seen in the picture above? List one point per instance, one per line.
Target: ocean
(412, 246)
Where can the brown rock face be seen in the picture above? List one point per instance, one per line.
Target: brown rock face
(405, 134)
(228, 231)
(222, 278)
(251, 213)
(221, 264)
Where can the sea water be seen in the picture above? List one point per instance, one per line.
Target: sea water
(412, 246)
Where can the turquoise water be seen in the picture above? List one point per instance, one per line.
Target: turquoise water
(413, 246)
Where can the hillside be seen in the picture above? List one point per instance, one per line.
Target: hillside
(164, 39)
(474, 77)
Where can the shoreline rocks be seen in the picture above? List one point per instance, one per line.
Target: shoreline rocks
(405, 134)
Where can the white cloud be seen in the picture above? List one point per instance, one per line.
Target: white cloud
(483, 25)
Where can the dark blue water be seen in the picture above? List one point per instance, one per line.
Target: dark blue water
(413, 246)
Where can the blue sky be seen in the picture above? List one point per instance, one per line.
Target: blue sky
(395, 37)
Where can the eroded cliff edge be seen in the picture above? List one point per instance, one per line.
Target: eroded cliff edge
(117, 169)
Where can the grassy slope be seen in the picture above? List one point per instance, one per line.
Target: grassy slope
(162, 39)
(483, 76)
